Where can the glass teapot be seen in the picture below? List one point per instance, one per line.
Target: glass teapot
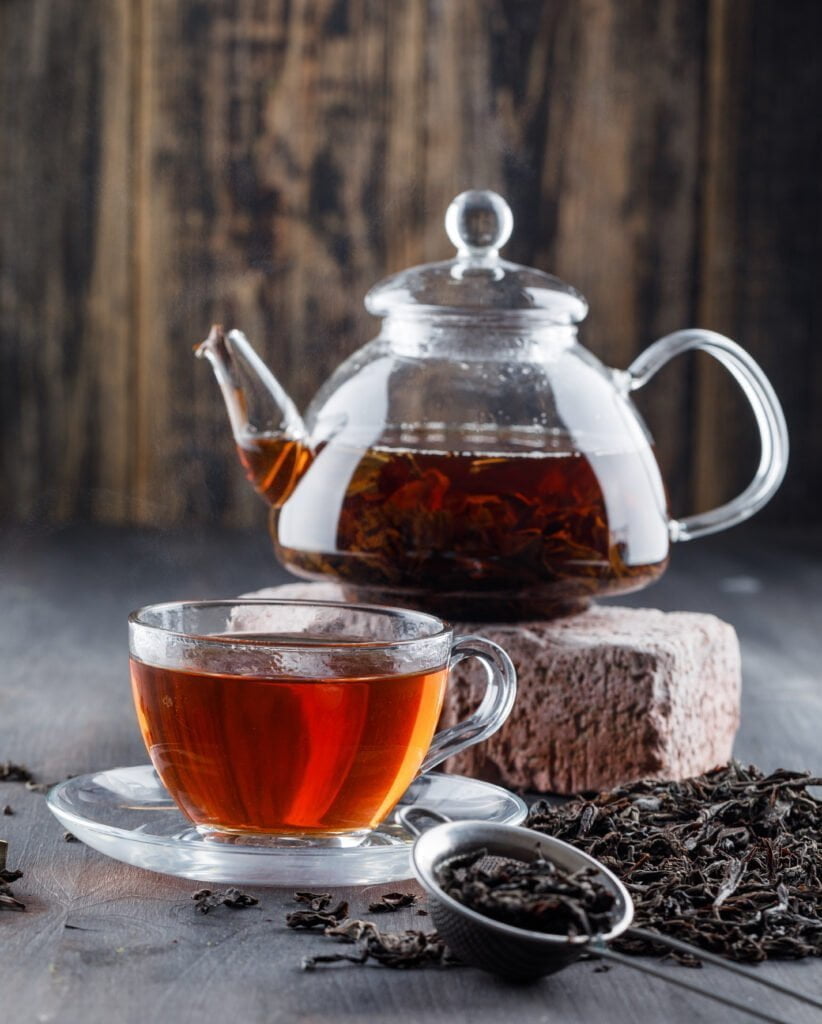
(474, 459)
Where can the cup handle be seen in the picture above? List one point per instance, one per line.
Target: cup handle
(494, 708)
(770, 420)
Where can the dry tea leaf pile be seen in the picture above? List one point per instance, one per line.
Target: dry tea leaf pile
(730, 861)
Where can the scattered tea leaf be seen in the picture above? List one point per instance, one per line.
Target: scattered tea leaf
(206, 900)
(391, 901)
(392, 949)
(400, 950)
(236, 900)
(8, 810)
(318, 918)
(38, 787)
(8, 901)
(730, 861)
(315, 900)
(70, 837)
(11, 772)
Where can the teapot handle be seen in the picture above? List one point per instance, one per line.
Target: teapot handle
(770, 419)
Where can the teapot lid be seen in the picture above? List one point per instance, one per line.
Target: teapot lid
(478, 222)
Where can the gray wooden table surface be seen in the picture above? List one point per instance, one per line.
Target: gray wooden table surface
(102, 942)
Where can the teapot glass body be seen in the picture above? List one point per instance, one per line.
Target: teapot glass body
(483, 470)
(474, 459)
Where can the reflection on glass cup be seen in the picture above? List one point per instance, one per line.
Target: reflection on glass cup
(300, 721)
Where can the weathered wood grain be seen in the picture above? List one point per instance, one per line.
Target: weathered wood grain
(102, 943)
(618, 196)
(171, 162)
(270, 162)
(761, 247)
(65, 265)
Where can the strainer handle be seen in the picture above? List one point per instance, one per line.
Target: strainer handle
(494, 708)
(720, 961)
(601, 950)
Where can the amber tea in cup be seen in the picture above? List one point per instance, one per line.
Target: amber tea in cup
(336, 753)
(299, 721)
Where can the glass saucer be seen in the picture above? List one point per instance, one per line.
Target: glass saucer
(127, 814)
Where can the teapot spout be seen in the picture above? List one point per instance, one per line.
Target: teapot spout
(268, 431)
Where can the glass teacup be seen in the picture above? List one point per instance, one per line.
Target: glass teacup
(300, 721)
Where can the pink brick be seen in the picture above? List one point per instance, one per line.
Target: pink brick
(605, 697)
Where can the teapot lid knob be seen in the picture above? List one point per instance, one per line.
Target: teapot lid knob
(478, 281)
(479, 222)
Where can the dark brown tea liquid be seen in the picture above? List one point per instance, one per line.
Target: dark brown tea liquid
(526, 532)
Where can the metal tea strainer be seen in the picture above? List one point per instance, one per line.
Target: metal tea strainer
(522, 955)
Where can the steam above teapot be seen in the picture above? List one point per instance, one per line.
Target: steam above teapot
(474, 459)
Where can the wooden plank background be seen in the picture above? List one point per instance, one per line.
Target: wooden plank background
(165, 163)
